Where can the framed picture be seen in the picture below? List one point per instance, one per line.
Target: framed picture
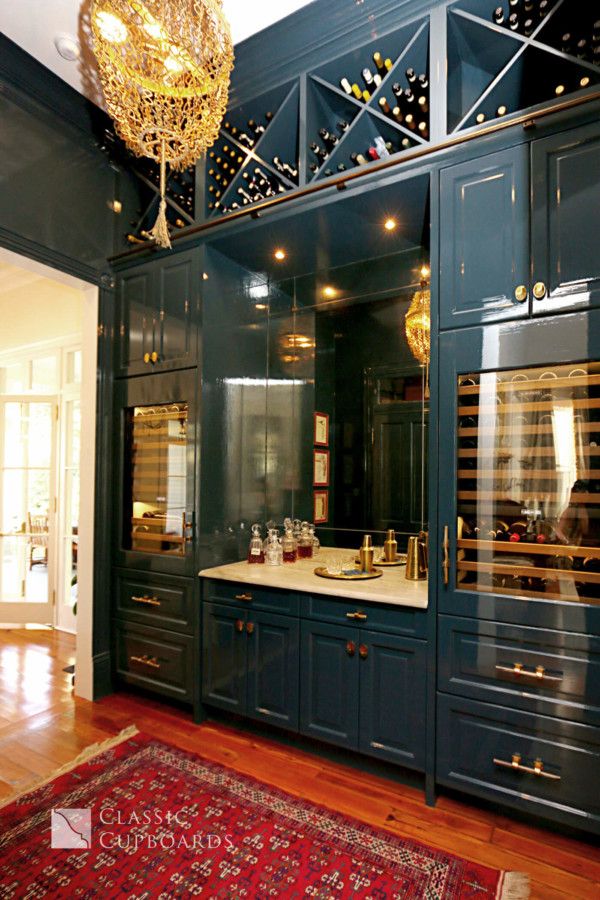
(321, 435)
(320, 507)
(321, 468)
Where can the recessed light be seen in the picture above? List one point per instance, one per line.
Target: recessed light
(205, 276)
(67, 46)
(584, 81)
(390, 224)
(559, 89)
(279, 255)
(116, 206)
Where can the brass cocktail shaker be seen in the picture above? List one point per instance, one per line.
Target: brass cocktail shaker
(390, 546)
(366, 554)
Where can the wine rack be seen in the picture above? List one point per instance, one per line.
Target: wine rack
(495, 70)
(528, 483)
(156, 522)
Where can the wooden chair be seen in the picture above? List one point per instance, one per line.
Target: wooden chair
(37, 529)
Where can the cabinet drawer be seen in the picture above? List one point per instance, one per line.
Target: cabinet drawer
(249, 596)
(477, 659)
(155, 600)
(157, 660)
(376, 616)
(479, 737)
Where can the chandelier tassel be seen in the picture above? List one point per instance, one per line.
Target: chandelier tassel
(160, 231)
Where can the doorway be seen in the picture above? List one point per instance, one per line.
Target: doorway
(47, 419)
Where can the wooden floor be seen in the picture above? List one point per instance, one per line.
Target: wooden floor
(42, 727)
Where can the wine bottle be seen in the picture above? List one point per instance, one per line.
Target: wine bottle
(357, 91)
(528, 27)
(388, 64)
(269, 116)
(409, 97)
(341, 167)
(398, 90)
(543, 8)
(513, 22)
(423, 103)
(423, 129)
(255, 128)
(384, 105)
(367, 77)
(528, 6)
(343, 126)
(346, 86)
(358, 159)
(314, 167)
(581, 48)
(566, 43)
(411, 76)
(498, 16)
(330, 140)
(377, 79)
(596, 33)
(409, 121)
(319, 152)
(423, 83)
(397, 114)
(379, 64)
(372, 154)
(406, 143)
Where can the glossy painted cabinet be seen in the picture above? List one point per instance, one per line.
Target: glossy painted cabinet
(158, 315)
(250, 663)
(517, 243)
(484, 209)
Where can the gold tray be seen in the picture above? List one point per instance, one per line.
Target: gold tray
(400, 561)
(322, 572)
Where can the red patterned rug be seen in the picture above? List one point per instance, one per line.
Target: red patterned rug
(140, 819)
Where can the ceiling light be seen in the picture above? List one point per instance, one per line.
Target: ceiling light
(329, 291)
(584, 81)
(205, 276)
(279, 255)
(116, 206)
(111, 27)
(390, 224)
(67, 47)
(559, 89)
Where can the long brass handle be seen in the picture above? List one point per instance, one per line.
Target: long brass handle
(350, 648)
(239, 625)
(150, 661)
(243, 596)
(146, 601)
(537, 768)
(363, 651)
(539, 290)
(539, 673)
(446, 556)
(360, 616)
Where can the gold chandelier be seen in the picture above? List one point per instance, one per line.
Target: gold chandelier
(165, 67)
(417, 322)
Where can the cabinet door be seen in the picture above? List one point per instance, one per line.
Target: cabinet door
(135, 320)
(565, 234)
(329, 683)
(519, 490)
(485, 254)
(392, 698)
(273, 668)
(177, 291)
(224, 657)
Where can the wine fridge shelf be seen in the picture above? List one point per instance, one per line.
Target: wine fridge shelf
(505, 547)
(563, 594)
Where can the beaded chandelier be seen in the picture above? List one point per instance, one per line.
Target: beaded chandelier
(417, 322)
(164, 67)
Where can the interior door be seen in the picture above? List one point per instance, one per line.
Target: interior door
(27, 509)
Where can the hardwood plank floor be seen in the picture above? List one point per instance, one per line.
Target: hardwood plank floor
(43, 726)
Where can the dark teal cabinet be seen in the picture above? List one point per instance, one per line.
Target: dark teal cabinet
(329, 693)
(158, 315)
(224, 657)
(484, 257)
(250, 663)
(393, 698)
(565, 236)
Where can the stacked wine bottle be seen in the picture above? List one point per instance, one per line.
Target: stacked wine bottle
(409, 106)
(522, 16)
(372, 80)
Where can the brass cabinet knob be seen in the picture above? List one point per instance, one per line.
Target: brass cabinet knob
(239, 625)
(146, 357)
(521, 293)
(154, 356)
(250, 627)
(363, 651)
(539, 290)
(350, 648)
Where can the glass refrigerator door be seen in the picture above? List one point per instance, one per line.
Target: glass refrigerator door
(156, 519)
(528, 482)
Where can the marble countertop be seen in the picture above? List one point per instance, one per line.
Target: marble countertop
(391, 588)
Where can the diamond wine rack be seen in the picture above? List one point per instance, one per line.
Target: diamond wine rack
(502, 58)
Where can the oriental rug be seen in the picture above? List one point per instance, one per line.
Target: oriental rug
(140, 819)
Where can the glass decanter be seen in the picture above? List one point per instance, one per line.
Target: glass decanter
(289, 546)
(305, 542)
(274, 551)
(256, 552)
(315, 540)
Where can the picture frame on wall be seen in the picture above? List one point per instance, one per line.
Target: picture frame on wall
(321, 429)
(321, 468)
(320, 507)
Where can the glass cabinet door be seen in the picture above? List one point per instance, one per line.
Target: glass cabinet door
(156, 516)
(528, 482)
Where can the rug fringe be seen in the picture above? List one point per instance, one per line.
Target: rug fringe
(83, 757)
(514, 886)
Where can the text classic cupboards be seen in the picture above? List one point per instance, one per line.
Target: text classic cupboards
(520, 231)
(158, 314)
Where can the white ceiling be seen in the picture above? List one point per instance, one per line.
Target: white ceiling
(34, 24)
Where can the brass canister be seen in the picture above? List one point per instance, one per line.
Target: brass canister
(390, 546)
(416, 568)
(366, 554)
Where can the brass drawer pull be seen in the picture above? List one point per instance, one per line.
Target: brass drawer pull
(243, 596)
(539, 673)
(150, 661)
(363, 651)
(537, 768)
(360, 616)
(350, 648)
(146, 601)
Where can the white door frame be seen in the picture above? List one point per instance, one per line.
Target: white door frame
(84, 680)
